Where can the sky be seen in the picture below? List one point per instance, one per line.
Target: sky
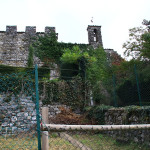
(71, 18)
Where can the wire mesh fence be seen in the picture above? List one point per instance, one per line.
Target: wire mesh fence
(95, 137)
(18, 121)
(128, 85)
(93, 105)
(132, 85)
(79, 102)
(91, 141)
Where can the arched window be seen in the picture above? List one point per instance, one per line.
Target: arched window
(95, 35)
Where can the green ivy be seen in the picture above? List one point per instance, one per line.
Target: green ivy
(42, 72)
(70, 93)
(30, 56)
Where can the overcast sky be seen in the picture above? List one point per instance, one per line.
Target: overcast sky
(71, 18)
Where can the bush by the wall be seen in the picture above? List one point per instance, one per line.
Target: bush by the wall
(96, 114)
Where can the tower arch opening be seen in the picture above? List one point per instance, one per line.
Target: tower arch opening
(95, 35)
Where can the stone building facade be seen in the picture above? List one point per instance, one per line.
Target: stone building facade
(14, 45)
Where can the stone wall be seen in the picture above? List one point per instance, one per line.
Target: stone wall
(14, 45)
(136, 116)
(17, 113)
(20, 114)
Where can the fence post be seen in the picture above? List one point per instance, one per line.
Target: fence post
(137, 83)
(114, 90)
(45, 142)
(37, 107)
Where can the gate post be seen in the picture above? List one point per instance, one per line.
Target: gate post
(45, 142)
(137, 84)
(37, 108)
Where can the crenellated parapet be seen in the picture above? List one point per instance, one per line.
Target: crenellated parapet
(49, 29)
(11, 30)
(28, 30)
(14, 45)
(31, 30)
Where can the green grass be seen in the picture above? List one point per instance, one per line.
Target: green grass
(18, 143)
(101, 142)
(30, 143)
(95, 142)
(61, 144)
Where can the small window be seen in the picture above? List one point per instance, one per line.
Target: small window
(95, 35)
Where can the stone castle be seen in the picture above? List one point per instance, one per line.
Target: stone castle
(14, 45)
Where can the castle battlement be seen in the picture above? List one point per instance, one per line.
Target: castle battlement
(14, 45)
(28, 30)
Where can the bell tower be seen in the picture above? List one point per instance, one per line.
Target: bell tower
(94, 36)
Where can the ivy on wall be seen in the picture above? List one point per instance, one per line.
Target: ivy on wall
(30, 56)
(71, 93)
(42, 72)
(49, 50)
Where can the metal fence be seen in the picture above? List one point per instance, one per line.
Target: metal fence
(93, 137)
(20, 116)
(115, 91)
(131, 86)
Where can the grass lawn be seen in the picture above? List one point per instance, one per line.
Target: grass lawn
(94, 142)
(103, 142)
(18, 143)
(30, 143)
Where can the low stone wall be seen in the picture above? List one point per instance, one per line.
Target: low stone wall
(17, 113)
(123, 116)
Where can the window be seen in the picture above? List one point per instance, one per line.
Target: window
(95, 35)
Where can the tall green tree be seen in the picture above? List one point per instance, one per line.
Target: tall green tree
(94, 68)
(145, 52)
(99, 68)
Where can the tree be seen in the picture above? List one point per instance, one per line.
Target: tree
(98, 69)
(98, 74)
(138, 45)
(145, 52)
(77, 59)
(94, 61)
(94, 69)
